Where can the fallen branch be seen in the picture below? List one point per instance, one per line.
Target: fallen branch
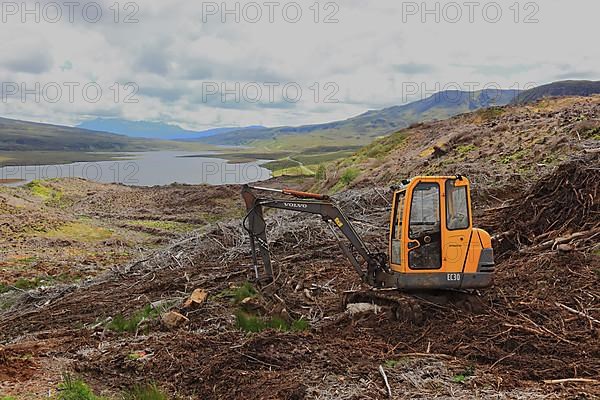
(567, 380)
(385, 379)
(577, 312)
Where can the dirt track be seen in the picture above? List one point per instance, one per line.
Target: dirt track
(538, 323)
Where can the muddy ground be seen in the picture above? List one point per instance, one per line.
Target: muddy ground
(540, 322)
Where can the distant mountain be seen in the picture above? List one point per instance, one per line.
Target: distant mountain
(30, 136)
(363, 128)
(151, 130)
(471, 144)
(563, 88)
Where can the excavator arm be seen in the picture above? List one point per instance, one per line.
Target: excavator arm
(311, 203)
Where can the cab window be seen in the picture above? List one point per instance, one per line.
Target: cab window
(457, 206)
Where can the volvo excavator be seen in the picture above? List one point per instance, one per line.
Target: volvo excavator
(432, 242)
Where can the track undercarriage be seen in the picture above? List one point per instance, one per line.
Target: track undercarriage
(411, 306)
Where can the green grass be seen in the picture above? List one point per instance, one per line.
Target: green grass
(491, 113)
(255, 324)
(465, 149)
(81, 231)
(280, 164)
(321, 173)
(519, 155)
(23, 284)
(145, 392)
(394, 363)
(40, 189)
(349, 175)
(131, 324)
(462, 377)
(171, 226)
(307, 162)
(237, 294)
(75, 389)
(25, 260)
(380, 148)
(298, 170)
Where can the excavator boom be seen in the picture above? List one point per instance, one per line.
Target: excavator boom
(311, 203)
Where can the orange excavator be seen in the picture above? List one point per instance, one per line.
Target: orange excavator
(432, 241)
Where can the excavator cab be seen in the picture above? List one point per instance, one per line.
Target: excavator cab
(432, 240)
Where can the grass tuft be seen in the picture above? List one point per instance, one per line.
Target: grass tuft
(145, 392)
(254, 324)
(75, 389)
(249, 323)
(49, 195)
(22, 284)
(80, 231)
(131, 324)
(462, 377)
(349, 175)
(464, 149)
(238, 294)
(300, 325)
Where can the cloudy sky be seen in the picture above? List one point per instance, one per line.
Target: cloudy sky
(209, 64)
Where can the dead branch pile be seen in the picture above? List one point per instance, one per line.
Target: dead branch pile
(561, 211)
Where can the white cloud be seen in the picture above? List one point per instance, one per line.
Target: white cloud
(370, 55)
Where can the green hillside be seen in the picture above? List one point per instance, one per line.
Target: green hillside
(362, 129)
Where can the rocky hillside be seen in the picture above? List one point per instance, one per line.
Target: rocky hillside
(505, 145)
(562, 88)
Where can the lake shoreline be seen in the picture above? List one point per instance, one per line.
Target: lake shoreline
(154, 168)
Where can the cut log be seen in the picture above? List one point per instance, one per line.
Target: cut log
(197, 297)
(173, 319)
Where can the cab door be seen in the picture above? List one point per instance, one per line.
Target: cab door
(458, 225)
(424, 243)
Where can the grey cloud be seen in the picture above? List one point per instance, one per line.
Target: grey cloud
(414, 68)
(170, 94)
(230, 103)
(577, 75)
(498, 70)
(33, 62)
(154, 60)
(205, 69)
